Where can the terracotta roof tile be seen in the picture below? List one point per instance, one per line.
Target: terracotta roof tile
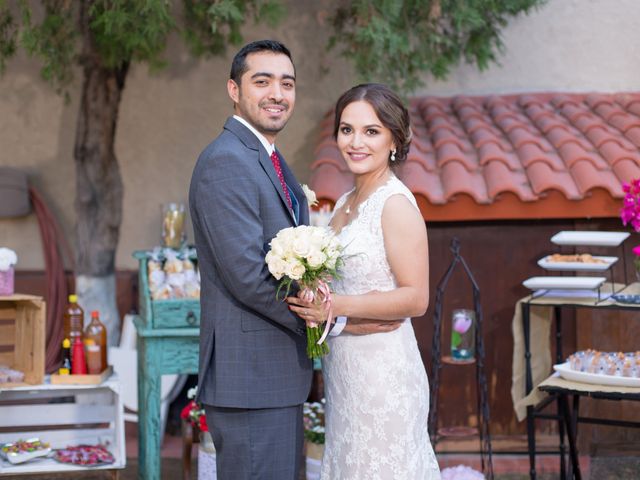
(525, 149)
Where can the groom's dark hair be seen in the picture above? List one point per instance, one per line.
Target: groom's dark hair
(239, 64)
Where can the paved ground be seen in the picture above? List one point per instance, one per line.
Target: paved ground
(601, 468)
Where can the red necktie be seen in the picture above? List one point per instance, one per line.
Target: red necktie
(276, 164)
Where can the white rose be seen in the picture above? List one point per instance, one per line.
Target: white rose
(294, 270)
(276, 267)
(318, 238)
(316, 259)
(302, 245)
(276, 247)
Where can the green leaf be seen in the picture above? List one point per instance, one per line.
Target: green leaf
(398, 41)
(456, 339)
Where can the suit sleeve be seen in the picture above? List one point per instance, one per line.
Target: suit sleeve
(228, 210)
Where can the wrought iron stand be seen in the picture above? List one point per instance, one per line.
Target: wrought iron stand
(437, 362)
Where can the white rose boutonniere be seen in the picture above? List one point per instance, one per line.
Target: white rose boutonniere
(312, 200)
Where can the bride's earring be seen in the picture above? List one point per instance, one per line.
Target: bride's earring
(393, 155)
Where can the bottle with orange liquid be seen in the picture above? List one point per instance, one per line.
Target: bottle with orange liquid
(95, 345)
(73, 322)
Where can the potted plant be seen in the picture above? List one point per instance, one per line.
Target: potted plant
(8, 259)
(630, 214)
(195, 415)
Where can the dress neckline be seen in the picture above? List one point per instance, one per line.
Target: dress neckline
(364, 202)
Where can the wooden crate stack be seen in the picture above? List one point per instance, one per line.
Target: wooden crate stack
(22, 337)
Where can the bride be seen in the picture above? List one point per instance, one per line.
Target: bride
(376, 386)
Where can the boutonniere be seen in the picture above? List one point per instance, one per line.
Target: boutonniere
(312, 200)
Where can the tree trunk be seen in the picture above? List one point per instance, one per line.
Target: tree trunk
(98, 183)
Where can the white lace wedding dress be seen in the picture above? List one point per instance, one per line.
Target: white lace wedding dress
(376, 386)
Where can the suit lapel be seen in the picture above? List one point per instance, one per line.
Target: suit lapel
(251, 141)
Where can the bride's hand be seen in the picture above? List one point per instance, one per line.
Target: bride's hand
(313, 314)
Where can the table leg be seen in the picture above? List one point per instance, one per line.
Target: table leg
(187, 443)
(571, 434)
(557, 313)
(531, 424)
(148, 409)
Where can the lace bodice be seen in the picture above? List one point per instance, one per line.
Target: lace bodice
(376, 386)
(366, 267)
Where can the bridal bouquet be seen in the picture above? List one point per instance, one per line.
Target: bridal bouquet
(309, 256)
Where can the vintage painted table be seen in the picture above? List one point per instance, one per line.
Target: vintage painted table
(168, 343)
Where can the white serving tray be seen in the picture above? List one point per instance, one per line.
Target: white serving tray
(567, 283)
(589, 238)
(21, 457)
(565, 371)
(578, 266)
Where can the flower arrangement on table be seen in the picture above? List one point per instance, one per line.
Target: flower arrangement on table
(630, 213)
(194, 413)
(8, 259)
(313, 420)
(309, 256)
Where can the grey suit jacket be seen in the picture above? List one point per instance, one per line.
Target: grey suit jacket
(252, 348)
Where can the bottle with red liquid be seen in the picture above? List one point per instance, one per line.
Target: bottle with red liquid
(95, 345)
(78, 363)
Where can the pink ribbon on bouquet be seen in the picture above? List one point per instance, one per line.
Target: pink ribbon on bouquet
(309, 296)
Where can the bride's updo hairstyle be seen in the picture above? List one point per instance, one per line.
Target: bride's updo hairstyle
(389, 109)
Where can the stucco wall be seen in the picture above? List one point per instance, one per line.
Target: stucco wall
(166, 119)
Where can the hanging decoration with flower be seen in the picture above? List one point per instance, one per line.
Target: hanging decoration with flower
(194, 413)
(630, 213)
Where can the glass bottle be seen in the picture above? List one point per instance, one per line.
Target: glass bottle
(73, 323)
(95, 345)
(65, 368)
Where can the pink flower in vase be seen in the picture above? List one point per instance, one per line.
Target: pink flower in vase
(462, 324)
(636, 250)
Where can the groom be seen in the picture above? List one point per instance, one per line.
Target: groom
(254, 373)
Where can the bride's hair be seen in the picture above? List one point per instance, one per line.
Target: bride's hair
(389, 109)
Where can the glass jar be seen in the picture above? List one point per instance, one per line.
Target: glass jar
(173, 225)
(463, 334)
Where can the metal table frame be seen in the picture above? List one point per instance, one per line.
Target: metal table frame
(571, 416)
(566, 422)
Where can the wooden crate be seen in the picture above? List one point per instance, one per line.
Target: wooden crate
(173, 313)
(86, 379)
(63, 415)
(22, 336)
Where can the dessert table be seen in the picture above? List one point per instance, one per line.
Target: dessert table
(564, 389)
(532, 364)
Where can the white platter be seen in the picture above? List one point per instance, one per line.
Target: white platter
(589, 238)
(565, 371)
(578, 266)
(568, 283)
(21, 457)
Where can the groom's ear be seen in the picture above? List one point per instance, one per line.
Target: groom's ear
(234, 90)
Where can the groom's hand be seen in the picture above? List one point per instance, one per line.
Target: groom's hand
(362, 326)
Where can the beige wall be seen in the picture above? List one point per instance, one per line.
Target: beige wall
(166, 119)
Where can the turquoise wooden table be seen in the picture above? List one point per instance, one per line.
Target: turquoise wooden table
(168, 343)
